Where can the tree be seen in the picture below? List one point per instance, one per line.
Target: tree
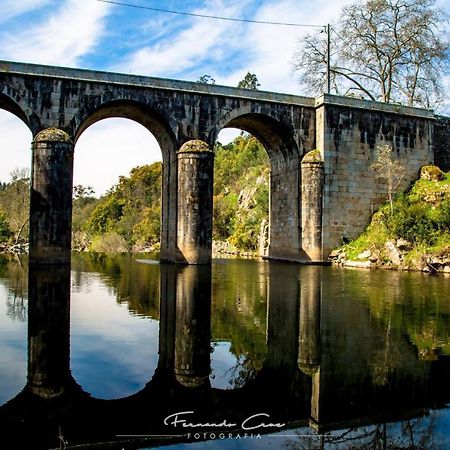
(15, 202)
(5, 231)
(388, 169)
(131, 210)
(82, 192)
(394, 51)
(206, 79)
(250, 81)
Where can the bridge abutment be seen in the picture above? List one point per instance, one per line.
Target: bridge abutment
(195, 203)
(51, 198)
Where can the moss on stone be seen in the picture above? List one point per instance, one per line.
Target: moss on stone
(431, 173)
(313, 156)
(52, 135)
(194, 146)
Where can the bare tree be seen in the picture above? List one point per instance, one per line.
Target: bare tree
(388, 169)
(394, 51)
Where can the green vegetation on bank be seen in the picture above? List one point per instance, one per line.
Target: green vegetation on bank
(128, 217)
(241, 192)
(413, 232)
(14, 207)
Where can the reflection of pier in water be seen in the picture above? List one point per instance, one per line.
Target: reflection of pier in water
(320, 367)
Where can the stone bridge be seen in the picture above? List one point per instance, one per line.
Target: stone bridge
(316, 198)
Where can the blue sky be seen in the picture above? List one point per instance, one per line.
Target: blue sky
(102, 36)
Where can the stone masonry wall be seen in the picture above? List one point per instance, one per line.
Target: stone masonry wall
(348, 134)
(285, 218)
(441, 143)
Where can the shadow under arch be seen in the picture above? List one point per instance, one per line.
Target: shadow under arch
(163, 128)
(278, 138)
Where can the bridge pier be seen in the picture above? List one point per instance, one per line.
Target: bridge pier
(195, 203)
(284, 230)
(51, 197)
(312, 174)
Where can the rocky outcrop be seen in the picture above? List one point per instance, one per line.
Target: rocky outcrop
(20, 248)
(394, 257)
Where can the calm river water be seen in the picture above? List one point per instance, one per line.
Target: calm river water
(122, 352)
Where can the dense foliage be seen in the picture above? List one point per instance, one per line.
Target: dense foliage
(128, 216)
(14, 207)
(241, 192)
(5, 231)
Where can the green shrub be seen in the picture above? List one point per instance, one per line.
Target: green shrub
(5, 230)
(109, 243)
(413, 223)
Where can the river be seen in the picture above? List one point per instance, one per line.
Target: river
(123, 352)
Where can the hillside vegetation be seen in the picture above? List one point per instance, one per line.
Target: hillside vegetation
(128, 216)
(412, 234)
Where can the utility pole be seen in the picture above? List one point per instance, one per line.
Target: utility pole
(328, 58)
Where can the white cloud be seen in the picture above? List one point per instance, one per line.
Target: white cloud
(110, 148)
(14, 8)
(205, 46)
(188, 48)
(273, 47)
(61, 38)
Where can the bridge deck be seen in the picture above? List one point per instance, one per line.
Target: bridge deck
(150, 82)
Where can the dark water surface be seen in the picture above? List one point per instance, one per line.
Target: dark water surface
(121, 352)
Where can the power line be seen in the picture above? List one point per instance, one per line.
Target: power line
(325, 28)
(206, 16)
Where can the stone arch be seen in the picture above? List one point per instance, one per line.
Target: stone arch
(7, 104)
(278, 137)
(276, 134)
(163, 127)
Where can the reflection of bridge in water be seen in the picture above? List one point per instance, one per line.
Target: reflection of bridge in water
(319, 369)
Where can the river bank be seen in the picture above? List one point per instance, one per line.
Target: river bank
(410, 233)
(426, 262)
